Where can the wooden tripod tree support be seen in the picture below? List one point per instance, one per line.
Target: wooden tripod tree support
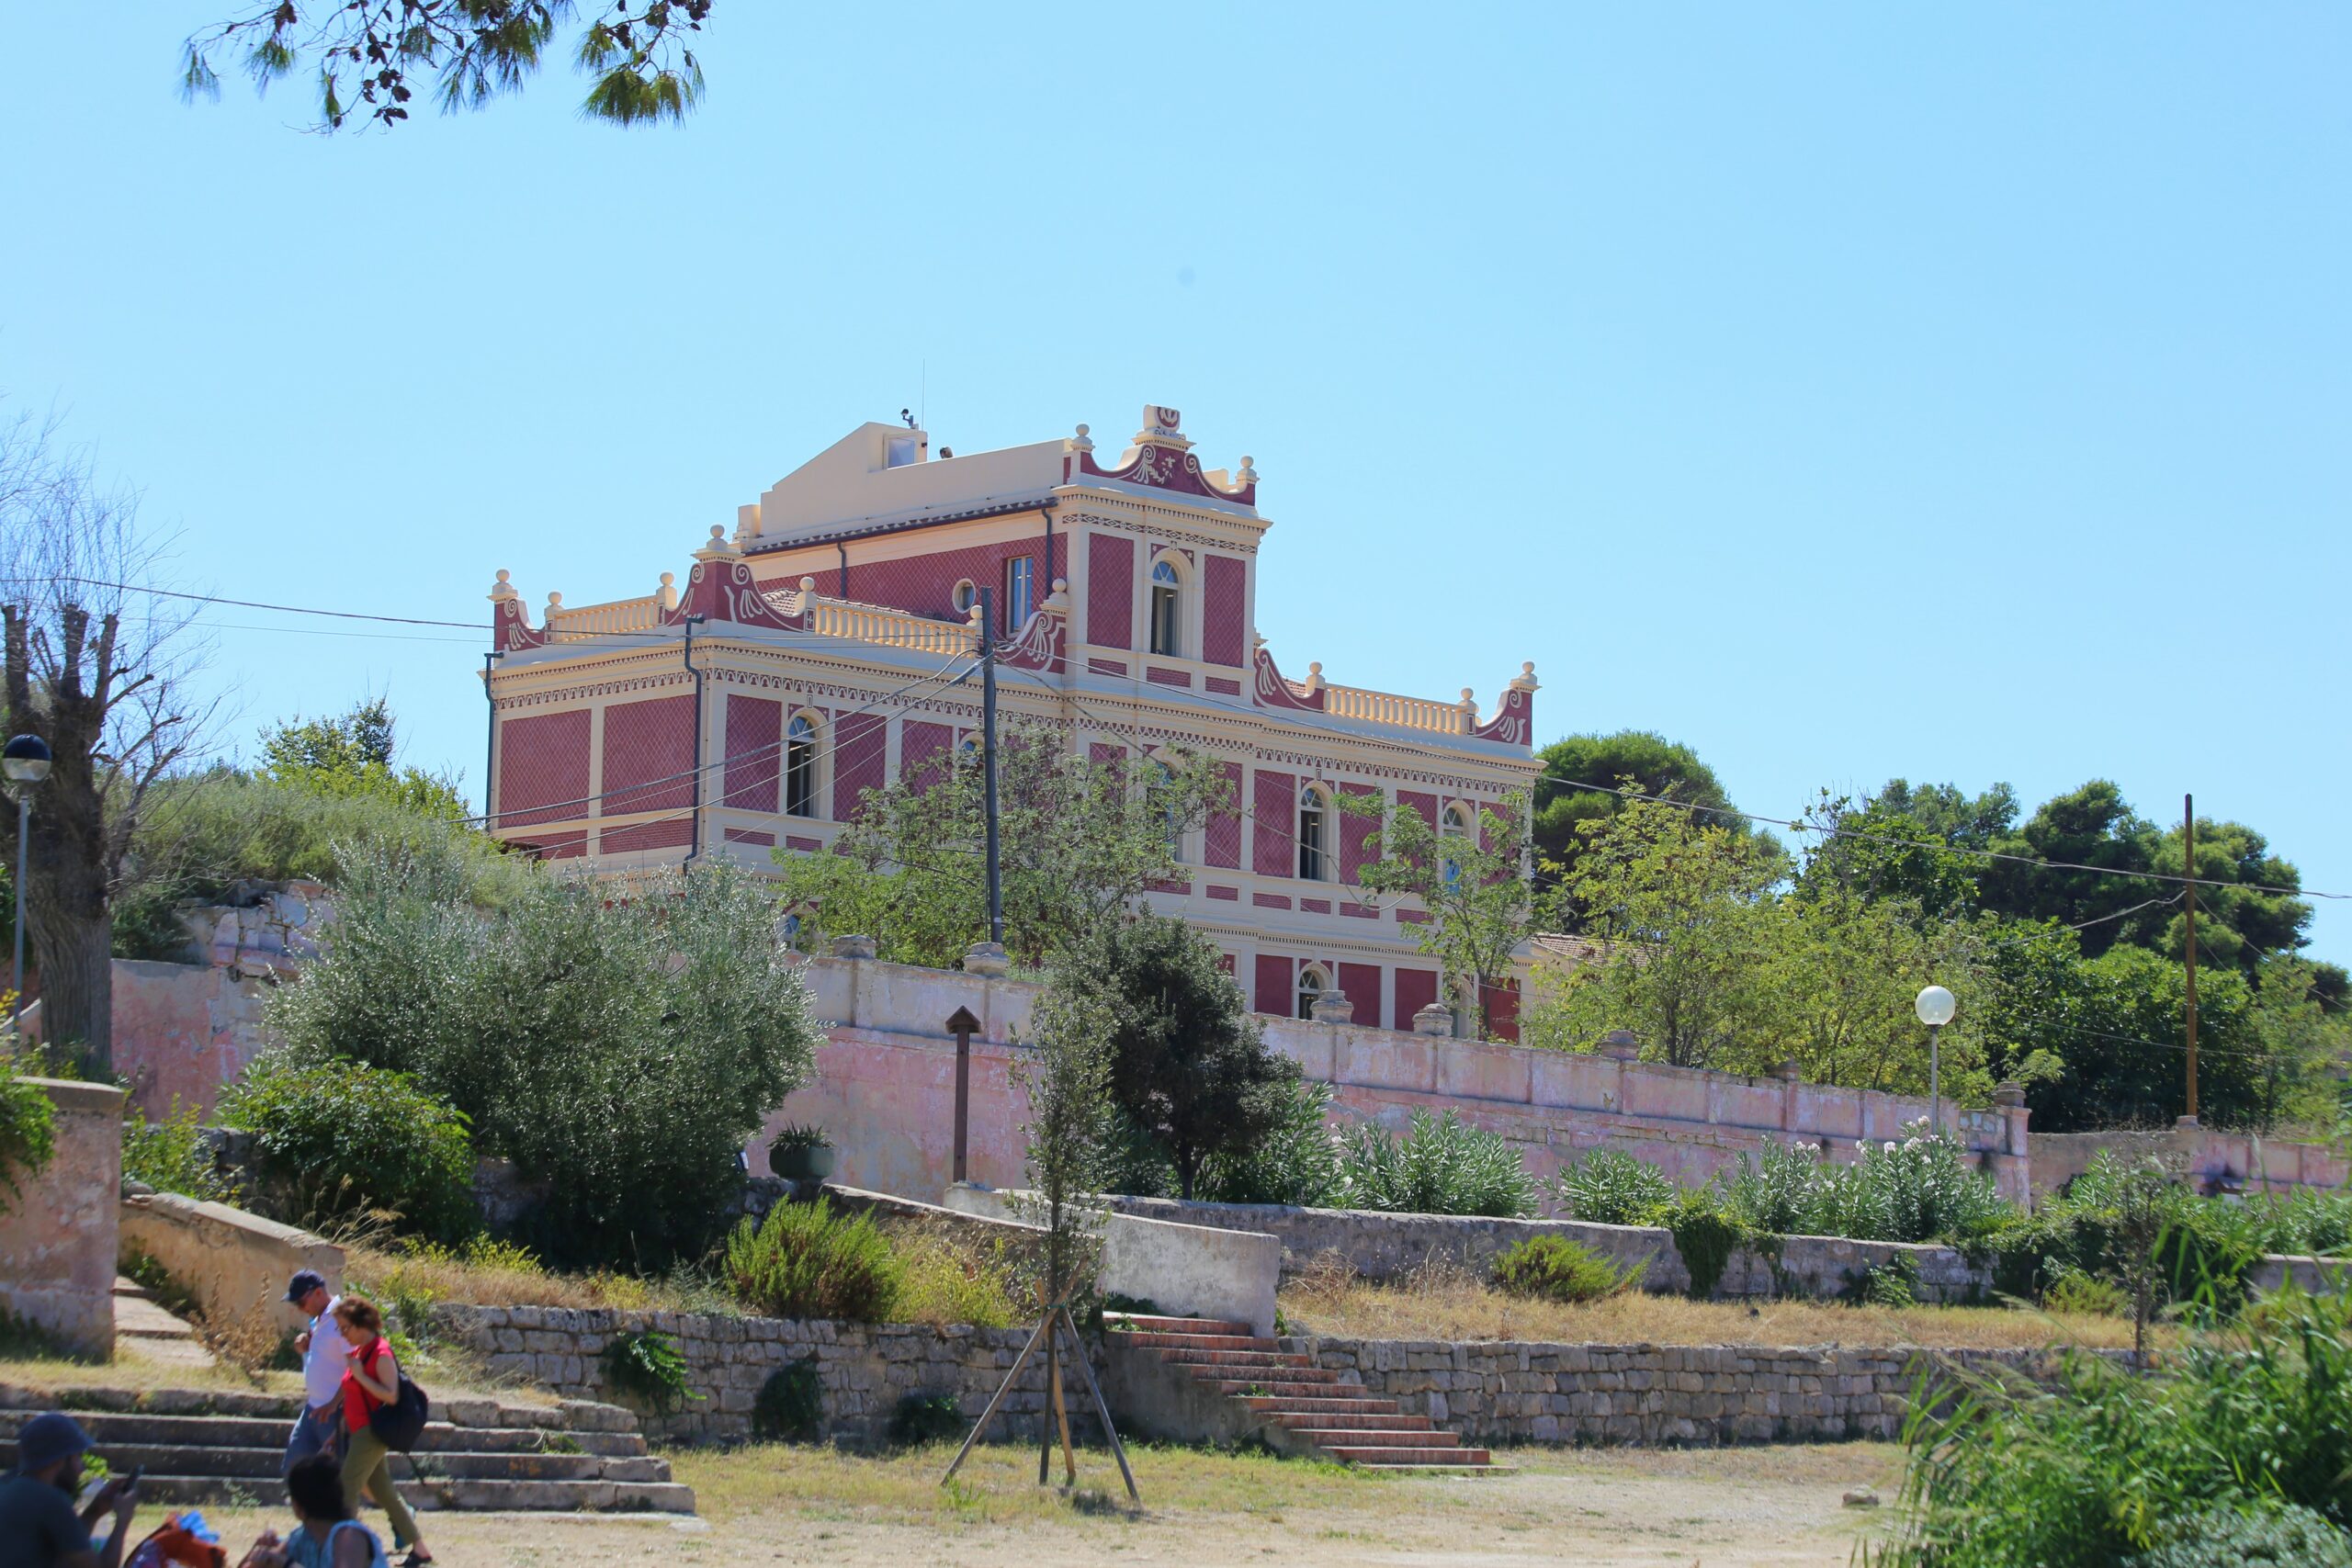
(1050, 1329)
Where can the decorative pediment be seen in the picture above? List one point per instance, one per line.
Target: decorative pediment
(722, 588)
(1514, 720)
(510, 623)
(1273, 692)
(1163, 460)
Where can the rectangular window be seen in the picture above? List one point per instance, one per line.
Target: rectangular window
(1018, 576)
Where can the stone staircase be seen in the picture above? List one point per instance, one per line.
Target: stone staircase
(1197, 1379)
(200, 1446)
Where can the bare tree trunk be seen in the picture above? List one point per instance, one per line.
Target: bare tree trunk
(75, 953)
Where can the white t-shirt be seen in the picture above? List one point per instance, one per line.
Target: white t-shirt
(324, 1362)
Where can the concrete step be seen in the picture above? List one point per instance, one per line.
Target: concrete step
(1282, 1389)
(1147, 1322)
(262, 1464)
(1388, 1438)
(1388, 1454)
(126, 1286)
(1490, 1468)
(436, 1494)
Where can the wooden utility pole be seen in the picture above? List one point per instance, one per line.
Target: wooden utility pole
(2188, 894)
(988, 761)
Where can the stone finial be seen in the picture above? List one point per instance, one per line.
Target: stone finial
(1079, 442)
(1247, 474)
(1435, 1018)
(1526, 680)
(503, 589)
(555, 605)
(1787, 1072)
(1057, 602)
(1315, 675)
(808, 586)
(988, 960)
(1332, 1007)
(972, 615)
(667, 595)
(1469, 699)
(1620, 1045)
(716, 548)
(2009, 1094)
(854, 947)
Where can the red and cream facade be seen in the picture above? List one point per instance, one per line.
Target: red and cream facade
(812, 655)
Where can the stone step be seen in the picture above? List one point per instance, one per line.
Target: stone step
(1393, 1454)
(111, 1429)
(1364, 1405)
(1151, 1323)
(1150, 1341)
(1284, 1389)
(1490, 1468)
(536, 1496)
(1383, 1438)
(1347, 1418)
(126, 1286)
(262, 1464)
(1236, 1359)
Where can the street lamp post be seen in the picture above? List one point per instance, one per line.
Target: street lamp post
(24, 761)
(1935, 1008)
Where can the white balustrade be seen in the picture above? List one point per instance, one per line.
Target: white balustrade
(604, 620)
(1405, 713)
(855, 622)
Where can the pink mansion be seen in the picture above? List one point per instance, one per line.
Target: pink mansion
(813, 653)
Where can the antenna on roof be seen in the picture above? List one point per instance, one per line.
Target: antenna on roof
(908, 416)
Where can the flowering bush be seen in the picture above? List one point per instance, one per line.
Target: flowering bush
(1917, 1189)
(1610, 1188)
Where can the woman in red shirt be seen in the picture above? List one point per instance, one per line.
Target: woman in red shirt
(371, 1380)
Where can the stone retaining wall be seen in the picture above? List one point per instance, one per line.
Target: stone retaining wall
(57, 1234)
(1381, 1246)
(863, 1370)
(1504, 1391)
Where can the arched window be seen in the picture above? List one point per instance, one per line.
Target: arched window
(963, 597)
(1313, 858)
(1312, 984)
(968, 750)
(800, 767)
(1454, 824)
(1164, 586)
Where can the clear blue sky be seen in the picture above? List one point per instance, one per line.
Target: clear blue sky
(1847, 391)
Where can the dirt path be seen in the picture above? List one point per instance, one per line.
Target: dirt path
(1621, 1509)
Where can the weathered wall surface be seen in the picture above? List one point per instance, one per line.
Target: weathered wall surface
(57, 1238)
(233, 1262)
(2206, 1159)
(864, 1370)
(1188, 1270)
(1504, 1391)
(886, 1091)
(183, 1031)
(1385, 1246)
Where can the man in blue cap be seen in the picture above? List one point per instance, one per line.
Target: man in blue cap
(37, 1526)
(325, 1356)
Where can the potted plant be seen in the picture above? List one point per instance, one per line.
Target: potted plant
(801, 1154)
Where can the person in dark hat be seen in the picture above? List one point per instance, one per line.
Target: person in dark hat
(322, 1349)
(37, 1526)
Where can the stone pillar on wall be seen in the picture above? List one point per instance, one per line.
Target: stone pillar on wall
(58, 1237)
(1435, 1018)
(1333, 1007)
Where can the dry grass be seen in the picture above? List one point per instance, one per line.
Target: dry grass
(510, 1277)
(1446, 1302)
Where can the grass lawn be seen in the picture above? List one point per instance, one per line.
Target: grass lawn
(1442, 1304)
(769, 1505)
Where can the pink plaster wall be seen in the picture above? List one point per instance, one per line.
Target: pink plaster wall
(184, 1031)
(1110, 589)
(1224, 588)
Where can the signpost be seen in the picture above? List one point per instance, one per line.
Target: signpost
(960, 1023)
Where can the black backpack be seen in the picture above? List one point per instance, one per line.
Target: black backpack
(400, 1423)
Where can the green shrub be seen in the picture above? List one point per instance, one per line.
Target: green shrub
(2275, 1536)
(1780, 1192)
(1552, 1267)
(790, 1406)
(1923, 1188)
(1706, 1234)
(336, 1140)
(26, 1134)
(2073, 1291)
(1440, 1167)
(1893, 1283)
(619, 1052)
(172, 1155)
(945, 1279)
(1298, 1159)
(926, 1418)
(2101, 1463)
(804, 1260)
(1608, 1186)
(646, 1366)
